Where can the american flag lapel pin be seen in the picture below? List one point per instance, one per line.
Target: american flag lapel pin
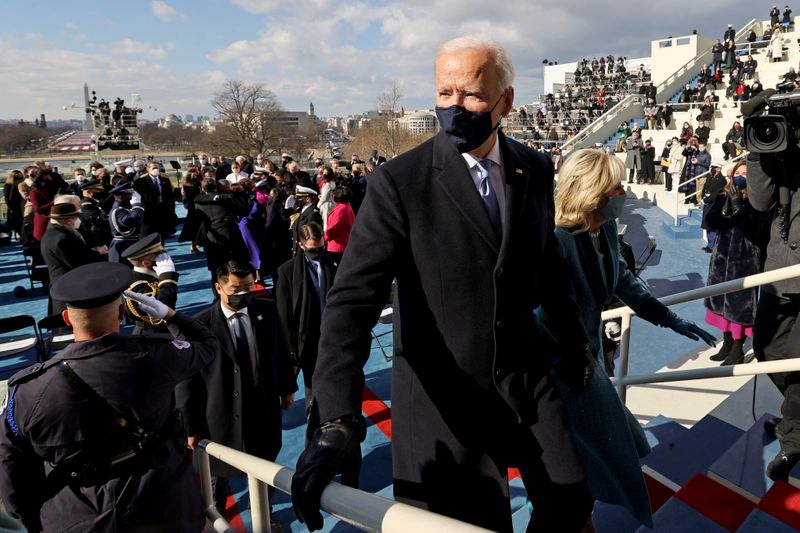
(518, 171)
(259, 317)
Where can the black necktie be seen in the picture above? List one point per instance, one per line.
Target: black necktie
(243, 355)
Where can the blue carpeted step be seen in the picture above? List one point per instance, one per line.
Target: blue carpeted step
(704, 505)
(663, 431)
(692, 453)
(696, 214)
(742, 467)
(684, 231)
(760, 522)
(608, 518)
(677, 517)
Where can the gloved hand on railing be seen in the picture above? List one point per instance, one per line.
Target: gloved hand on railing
(688, 329)
(575, 370)
(335, 445)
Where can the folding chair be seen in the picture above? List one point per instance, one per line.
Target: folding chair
(16, 350)
(36, 267)
(385, 318)
(641, 264)
(55, 335)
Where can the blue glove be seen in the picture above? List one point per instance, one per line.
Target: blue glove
(689, 329)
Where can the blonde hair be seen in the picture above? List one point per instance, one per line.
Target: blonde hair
(583, 179)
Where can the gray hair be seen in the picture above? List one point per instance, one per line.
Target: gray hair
(292, 165)
(502, 60)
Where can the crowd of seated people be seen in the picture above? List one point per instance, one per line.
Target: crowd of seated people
(594, 88)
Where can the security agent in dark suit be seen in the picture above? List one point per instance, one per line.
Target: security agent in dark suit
(302, 288)
(158, 199)
(236, 400)
(63, 247)
(87, 439)
(471, 244)
(154, 275)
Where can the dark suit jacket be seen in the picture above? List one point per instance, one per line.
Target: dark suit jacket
(159, 216)
(298, 308)
(63, 250)
(467, 347)
(213, 402)
(219, 234)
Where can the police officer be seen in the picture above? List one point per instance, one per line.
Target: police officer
(125, 219)
(153, 274)
(94, 221)
(86, 441)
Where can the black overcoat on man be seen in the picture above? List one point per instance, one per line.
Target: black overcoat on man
(159, 210)
(64, 249)
(213, 402)
(471, 391)
(277, 247)
(219, 234)
(298, 308)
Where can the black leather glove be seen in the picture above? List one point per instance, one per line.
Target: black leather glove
(575, 370)
(334, 446)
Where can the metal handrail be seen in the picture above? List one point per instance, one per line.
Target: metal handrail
(626, 313)
(604, 118)
(742, 369)
(365, 511)
(703, 175)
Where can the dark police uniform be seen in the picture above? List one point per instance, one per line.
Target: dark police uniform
(47, 420)
(125, 221)
(94, 221)
(163, 287)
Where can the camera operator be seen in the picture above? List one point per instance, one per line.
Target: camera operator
(773, 178)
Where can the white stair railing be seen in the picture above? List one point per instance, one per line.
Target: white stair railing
(622, 379)
(365, 511)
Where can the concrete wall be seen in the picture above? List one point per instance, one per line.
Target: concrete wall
(669, 54)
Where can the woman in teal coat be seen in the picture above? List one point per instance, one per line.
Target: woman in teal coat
(590, 197)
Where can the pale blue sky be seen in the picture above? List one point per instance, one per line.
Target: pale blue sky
(338, 54)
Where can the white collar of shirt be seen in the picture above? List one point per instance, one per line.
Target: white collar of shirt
(497, 175)
(229, 312)
(148, 271)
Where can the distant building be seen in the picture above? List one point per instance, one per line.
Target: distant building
(418, 122)
(300, 120)
(170, 120)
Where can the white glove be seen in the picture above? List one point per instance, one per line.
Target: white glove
(163, 264)
(136, 198)
(613, 331)
(148, 305)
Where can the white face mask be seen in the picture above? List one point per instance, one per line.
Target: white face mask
(29, 182)
(154, 173)
(77, 223)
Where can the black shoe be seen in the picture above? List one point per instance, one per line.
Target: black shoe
(771, 427)
(779, 468)
(725, 349)
(706, 249)
(736, 355)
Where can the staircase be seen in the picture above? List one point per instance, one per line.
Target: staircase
(689, 227)
(710, 479)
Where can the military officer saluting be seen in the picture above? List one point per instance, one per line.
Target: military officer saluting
(94, 221)
(125, 219)
(153, 274)
(87, 439)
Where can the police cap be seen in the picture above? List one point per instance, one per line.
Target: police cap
(300, 191)
(145, 246)
(125, 186)
(93, 184)
(93, 285)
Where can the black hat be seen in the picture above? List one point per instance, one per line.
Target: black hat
(95, 184)
(93, 285)
(144, 246)
(125, 186)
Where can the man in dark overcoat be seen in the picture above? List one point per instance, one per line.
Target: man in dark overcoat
(236, 400)
(464, 223)
(158, 199)
(303, 283)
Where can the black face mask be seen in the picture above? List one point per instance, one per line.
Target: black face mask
(240, 300)
(314, 253)
(466, 130)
